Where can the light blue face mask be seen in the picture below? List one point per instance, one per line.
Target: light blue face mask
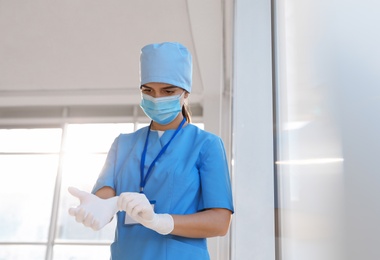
(161, 110)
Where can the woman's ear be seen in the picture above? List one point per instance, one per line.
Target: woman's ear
(186, 94)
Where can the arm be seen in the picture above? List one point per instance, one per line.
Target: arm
(208, 223)
(105, 192)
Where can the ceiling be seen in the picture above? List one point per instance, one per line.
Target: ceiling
(86, 52)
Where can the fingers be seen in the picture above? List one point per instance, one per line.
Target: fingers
(88, 220)
(124, 199)
(81, 216)
(96, 225)
(73, 211)
(93, 211)
(76, 192)
(134, 208)
(79, 213)
(132, 203)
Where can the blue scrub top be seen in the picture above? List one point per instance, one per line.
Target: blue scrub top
(192, 175)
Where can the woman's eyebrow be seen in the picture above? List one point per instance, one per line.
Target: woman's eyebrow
(167, 87)
(170, 87)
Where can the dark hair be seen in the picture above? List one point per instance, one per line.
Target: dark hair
(186, 112)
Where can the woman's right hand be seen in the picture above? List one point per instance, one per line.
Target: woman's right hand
(93, 211)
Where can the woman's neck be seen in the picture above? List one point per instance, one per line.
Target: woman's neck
(172, 125)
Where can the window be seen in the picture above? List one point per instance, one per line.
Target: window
(36, 168)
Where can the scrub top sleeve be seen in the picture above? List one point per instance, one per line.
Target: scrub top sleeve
(106, 176)
(215, 177)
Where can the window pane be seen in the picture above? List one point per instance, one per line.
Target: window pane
(200, 125)
(22, 252)
(93, 137)
(26, 193)
(62, 252)
(82, 170)
(141, 125)
(30, 140)
(70, 231)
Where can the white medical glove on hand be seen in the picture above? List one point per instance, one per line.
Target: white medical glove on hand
(93, 211)
(137, 206)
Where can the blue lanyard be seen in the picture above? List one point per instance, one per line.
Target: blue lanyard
(142, 163)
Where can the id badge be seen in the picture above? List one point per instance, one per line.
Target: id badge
(130, 221)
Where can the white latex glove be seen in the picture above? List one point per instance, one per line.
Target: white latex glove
(137, 206)
(93, 211)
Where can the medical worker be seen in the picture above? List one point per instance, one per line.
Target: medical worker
(168, 183)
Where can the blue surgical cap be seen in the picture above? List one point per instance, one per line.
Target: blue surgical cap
(168, 62)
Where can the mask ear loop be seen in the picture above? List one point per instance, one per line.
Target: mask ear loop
(186, 96)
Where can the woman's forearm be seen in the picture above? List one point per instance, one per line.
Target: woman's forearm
(208, 223)
(105, 192)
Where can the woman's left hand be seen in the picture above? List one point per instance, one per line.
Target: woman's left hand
(138, 207)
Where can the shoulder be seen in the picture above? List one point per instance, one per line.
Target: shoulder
(134, 136)
(202, 136)
(195, 130)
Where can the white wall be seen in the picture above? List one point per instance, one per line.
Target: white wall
(253, 227)
(328, 119)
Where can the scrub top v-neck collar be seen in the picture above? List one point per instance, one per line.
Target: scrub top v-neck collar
(144, 177)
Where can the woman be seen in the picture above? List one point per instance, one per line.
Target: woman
(169, 182)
